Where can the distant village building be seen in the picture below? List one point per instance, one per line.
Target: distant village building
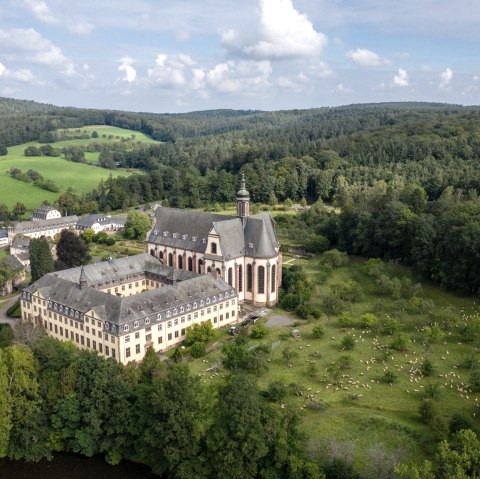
(100, 222)
(48, 228)
(45, 212)
(242, 250)
(121, 307)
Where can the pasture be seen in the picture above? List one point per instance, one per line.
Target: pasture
(65, 174)
(341, 395)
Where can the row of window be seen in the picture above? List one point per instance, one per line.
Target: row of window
(182, 309)
(80, 339)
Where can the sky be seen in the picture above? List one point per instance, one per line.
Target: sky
(186, 55)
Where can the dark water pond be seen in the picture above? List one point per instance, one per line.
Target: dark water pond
(69, 466)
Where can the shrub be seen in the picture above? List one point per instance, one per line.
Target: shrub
(348, 290)
(390, 326)
(400, 342)
(110, 241)
(318, 331)
(426, 367)
(348, 343)
(303, 311)
(6, 335)
(431, 391)
(14, 311)
(368, 321)
(202, 333)
(345, 320)
(459, 421)
(289, 354)
(428, 411)
(434, 333)
(344, 362)
(198, 349)
(389, 377)
(333, 305)
(276, 391)
(259, 331)
(335, 258)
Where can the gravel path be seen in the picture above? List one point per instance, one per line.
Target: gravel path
(275, 320)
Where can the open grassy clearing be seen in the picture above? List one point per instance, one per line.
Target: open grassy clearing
(81, 177)
(357, 406)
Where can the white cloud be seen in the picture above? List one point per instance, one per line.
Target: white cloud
(401, 79)
(283, 32)
(23, 74)
(446, 77)
(81, 28)
(18, 42)
(129, 72)
(245, 76)
(366, 58)
(40, 10)
(170, 70)
(341, 88)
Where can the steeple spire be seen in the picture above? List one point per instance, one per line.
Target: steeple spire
(243, 201)
(83, 279)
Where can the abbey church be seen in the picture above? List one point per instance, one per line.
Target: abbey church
(242, 249)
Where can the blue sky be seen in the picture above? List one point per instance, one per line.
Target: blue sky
(185, 55)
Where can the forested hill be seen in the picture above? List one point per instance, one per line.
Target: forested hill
(289, 154)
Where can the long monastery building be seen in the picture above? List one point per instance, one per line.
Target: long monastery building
(121, 307)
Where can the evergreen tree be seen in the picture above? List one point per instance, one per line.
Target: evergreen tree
(71, 250)
(41, 260)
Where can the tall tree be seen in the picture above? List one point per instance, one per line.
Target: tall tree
(137, 225)
(71, 250)
(5, 407)
(41, 260)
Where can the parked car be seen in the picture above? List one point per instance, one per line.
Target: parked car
(250, 320)
(234, 331)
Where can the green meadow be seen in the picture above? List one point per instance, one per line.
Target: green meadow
(353, 406)
(65, 174)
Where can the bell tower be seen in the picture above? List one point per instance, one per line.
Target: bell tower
(243, 201)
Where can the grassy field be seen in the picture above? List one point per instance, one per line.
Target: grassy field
(81, 177)
(358, 406)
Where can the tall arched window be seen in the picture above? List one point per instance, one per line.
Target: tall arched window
(209, 269)
(274, 277)
(261, 279)
(190, 263)
(214, 248)
(249, 277)
(161, 255)
(240, 278)
(200, 264)
(152, 252)
(170, 259)
(180, 262)
(230, 276)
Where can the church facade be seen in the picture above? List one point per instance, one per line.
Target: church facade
(242, 250)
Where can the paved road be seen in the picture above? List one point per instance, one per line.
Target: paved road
(3, 311)
(275, 320)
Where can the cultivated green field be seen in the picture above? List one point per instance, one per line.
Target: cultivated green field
(359, 407)
(81, 177)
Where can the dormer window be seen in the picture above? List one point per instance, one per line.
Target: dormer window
(182, 309)
(107, 326)
(250, 245)
(201, 303)
(159, 317)
(184, 237)
(214, 248)
(194, 238)
(135, 324)
(147, 320)
(175, 311)
(126, 327)
(188, 307)
(165, 233)
(208, 301)
(195, 305)
(169, 313)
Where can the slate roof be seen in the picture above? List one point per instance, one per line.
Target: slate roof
(63, 288)
(21, 242)
(44, 209)
(31, 226)
(14, 261)
(178, 228)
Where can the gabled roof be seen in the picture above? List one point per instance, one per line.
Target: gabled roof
(46, 224)
(63, 288)
(21, 242)
(186, 226)
(176, 228)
